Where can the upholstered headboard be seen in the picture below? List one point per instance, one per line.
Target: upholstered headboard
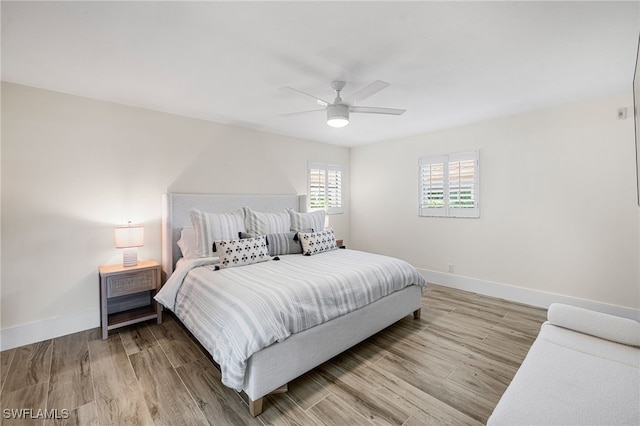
(175, 214)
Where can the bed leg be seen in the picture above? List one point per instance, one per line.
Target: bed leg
(282, 389)
(416, 313)
(255, 407)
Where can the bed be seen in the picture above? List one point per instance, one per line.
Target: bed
(310, 338)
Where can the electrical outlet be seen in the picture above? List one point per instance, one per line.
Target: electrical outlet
(622, 113)
(450, 269)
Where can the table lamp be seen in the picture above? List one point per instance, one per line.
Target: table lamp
(129, 237)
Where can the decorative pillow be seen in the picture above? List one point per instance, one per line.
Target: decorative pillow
(604, 326)
(317, 242)
(210, 227)
(301, 221)
(240, 252)
(187, 243)
(307, 230)
(281, 243)
(245, 235)
(266, 223)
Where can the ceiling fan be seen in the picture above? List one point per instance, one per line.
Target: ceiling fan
(338, 110)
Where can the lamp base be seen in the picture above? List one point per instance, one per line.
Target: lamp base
(130, 257)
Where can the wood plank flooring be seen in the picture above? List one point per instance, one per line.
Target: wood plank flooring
(449, 367)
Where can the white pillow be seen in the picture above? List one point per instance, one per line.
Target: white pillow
(210, 227)
(302, 221)
(187, 243)
(317, 242)
(266, 223)
(605, 326)
(241, 252)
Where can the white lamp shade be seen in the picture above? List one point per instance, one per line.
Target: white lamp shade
(127, 236)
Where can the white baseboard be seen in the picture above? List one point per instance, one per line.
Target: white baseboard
(522, 295)
(49, 328)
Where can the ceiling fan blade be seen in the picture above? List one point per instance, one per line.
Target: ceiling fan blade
(377, 110)
(290, 114)
(365, 92)
(319, 101)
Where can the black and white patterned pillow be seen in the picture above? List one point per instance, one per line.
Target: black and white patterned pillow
(240, 252)
(317, 242)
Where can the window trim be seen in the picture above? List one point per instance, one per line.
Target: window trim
(445, 161)
(327, 169)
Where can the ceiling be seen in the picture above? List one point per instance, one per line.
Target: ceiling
(448, 63)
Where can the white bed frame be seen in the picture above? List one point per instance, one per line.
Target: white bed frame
(272, 368)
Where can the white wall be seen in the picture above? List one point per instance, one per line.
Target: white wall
(73, 167)
(558, 207)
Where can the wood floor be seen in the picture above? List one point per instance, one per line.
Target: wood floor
(449, 367)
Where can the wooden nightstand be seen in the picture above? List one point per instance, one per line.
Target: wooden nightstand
(126, 294)
(340, 244)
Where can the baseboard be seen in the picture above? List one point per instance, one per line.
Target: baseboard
(49, 328)
(522, 295)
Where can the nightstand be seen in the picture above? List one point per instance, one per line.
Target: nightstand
(126, 294)
(340, 244)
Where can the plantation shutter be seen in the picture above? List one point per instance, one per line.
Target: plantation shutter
(448, 185)
(317, 179)
(432, 199)
(463, 184)
(334, 189)
(325, 187)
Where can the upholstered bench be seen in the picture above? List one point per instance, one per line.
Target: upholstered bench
(582, 369)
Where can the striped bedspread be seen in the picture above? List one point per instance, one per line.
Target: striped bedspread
(236, 312)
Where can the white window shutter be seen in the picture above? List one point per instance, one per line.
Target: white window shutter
(432, 186)
(449, 185)
(317, 182)
(334, 189)
(325, 187)
(463, 184)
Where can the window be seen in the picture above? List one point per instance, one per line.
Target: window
(449, 185)
(325, 187)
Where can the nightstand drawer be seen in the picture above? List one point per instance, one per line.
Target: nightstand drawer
(119, 285)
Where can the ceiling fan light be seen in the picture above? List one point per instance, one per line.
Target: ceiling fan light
(337, 115)
(337, 122)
